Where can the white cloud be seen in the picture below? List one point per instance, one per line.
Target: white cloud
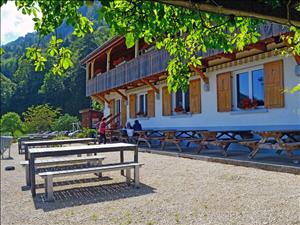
(13, 23)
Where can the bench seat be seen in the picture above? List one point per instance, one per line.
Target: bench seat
(97, 159)
(48, 176)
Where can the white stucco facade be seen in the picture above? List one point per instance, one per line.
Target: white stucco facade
(209, 117)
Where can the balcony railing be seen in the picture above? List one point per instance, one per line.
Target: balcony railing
(145, 65)
(152, 63)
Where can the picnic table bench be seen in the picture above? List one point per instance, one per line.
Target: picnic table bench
(48, 176)
(94, 159)
(35, 153)
(28, 144)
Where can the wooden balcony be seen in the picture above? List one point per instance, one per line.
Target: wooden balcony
(145, 65)
(154, 62)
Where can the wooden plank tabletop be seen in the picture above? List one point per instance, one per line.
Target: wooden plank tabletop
(82, 147)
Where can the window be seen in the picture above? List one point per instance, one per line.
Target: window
(181, 100)
(143, 105)
(249, 87)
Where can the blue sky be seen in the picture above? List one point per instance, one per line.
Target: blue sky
(13, 23)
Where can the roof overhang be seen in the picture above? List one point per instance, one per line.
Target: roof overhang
(102, 49)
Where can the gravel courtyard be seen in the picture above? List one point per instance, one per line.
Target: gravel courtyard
(173, 191)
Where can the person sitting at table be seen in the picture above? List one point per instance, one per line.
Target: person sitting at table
(102, 130)
(128, 125)
(137, 126)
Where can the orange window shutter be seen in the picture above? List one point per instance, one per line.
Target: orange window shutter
(273, 84)
(166, 102)
(224, 92)
(124, 112)
(132, 106)
(151, 103)
(195, 96)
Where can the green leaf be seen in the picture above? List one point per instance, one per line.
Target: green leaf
(129, 40)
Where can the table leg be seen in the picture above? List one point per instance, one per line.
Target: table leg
(26, 152)
(32, 176)
(122, 160)
(19, 145)
(256, 149)
(136, 155)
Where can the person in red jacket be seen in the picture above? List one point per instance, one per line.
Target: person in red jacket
(101, 131)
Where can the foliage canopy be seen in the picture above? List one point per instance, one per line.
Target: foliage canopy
(64, 122)
(182, 32)
(40, 118)
(10, 122)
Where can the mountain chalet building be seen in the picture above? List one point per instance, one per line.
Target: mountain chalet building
(238, 90)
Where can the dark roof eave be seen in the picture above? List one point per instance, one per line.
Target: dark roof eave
(108, 44)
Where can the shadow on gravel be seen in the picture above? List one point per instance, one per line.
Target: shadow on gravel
(89, 195)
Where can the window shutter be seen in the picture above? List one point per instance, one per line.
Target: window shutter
(124, 112)
(151, 103)
(132, 105)
(273, 81)
(166, 102)
(195, 96)
(224, 92)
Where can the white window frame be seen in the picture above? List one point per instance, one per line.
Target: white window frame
(145, 108)
(234, 84)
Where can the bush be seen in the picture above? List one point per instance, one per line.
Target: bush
(10, 123)
(87, 133)
(64, 122)
(40, 118)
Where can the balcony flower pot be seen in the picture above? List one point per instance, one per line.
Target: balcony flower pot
(249, 104)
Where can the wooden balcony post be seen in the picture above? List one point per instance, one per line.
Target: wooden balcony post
(92, 68)
(108, 60)
(136, 48)
(87, 71)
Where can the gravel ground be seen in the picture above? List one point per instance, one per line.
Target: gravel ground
(174, 191)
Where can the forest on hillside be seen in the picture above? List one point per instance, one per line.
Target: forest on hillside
(22, 87)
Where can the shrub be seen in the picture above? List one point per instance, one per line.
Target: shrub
(64, 122)
(87, 133)
(40, 118)
(10, 123)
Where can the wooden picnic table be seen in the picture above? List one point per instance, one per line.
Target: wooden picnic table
(148, 135)
(276, 140)
(216, 138)
(31, 138)
(35, 153)
(28, 144)
(177, 136)
(112, 134)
